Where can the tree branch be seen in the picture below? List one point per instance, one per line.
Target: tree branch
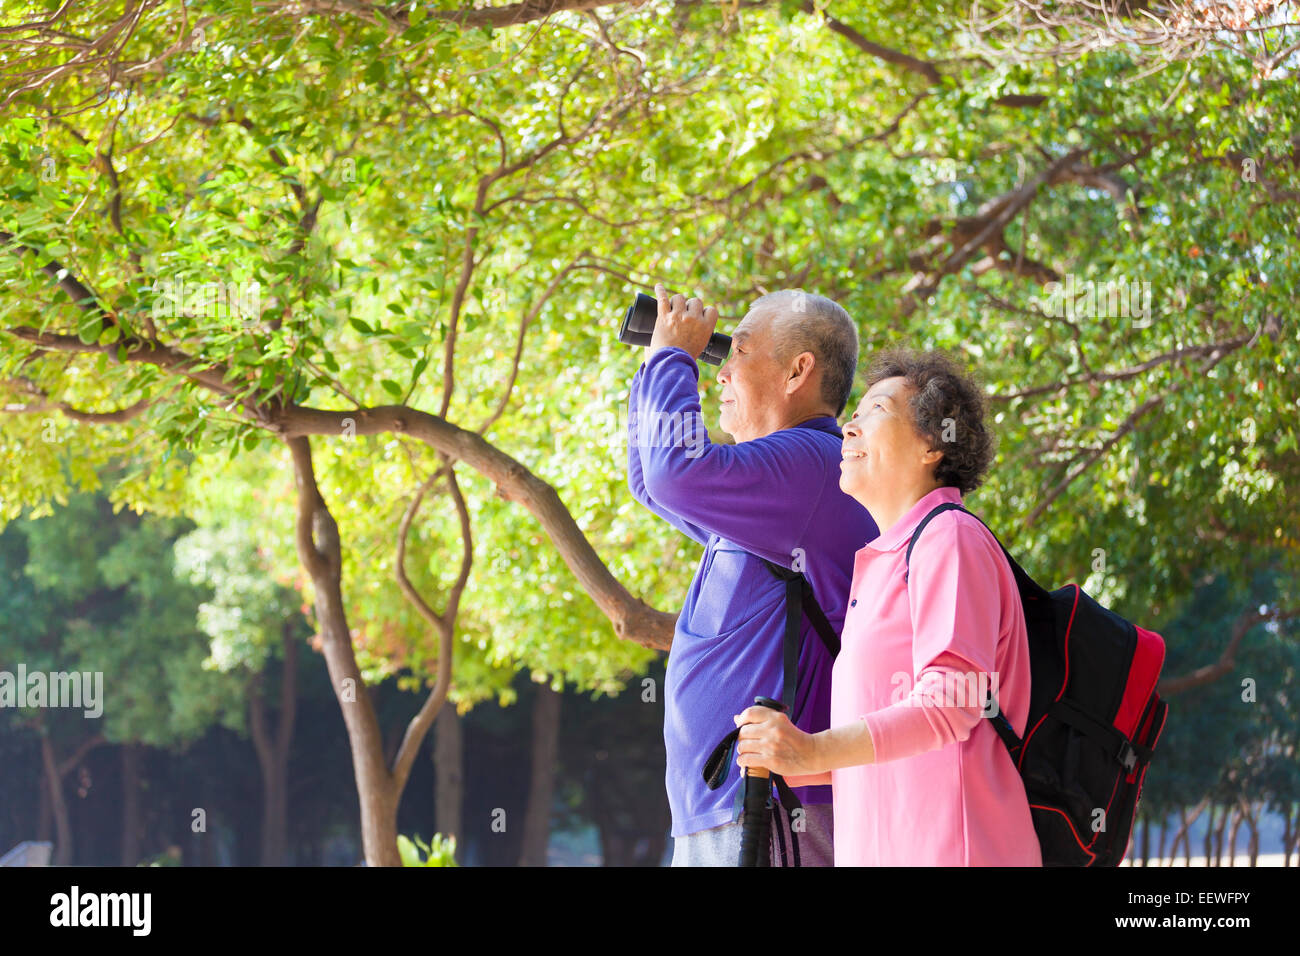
(631, 617)
(529, 317)
(1080, 466)
(97, 418)
(1168, 686)
(78, 755)
(1173, 356)
(445, 623)
(921, 68)
(201, 371)
(976, 232)
(63, 277)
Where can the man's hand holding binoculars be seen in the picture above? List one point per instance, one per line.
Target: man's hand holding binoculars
(682, 323)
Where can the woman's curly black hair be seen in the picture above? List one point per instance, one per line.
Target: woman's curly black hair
(948, 410)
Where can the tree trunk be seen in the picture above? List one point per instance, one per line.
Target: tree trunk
(1228, 812)
(320, 552)
(379, 787)
(1184, 832)
(1232, 840)
(1209, 838)
(656, 841)
(449, 774)
(1287, 812)
(1146, 842)
(613, 848)
(275, 816)
(44, 816)
(617, 848)
(541, 790)
(62, 824)
(1164, 834)
(1254, 834)
(272, 749)
(131, 830)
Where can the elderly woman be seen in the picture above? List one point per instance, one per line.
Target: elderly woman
(918, 779)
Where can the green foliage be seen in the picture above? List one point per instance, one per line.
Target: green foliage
(723, 153)
(106, 601)
(1236, 737)
(249, 609)
(441, 851)
(167, 858)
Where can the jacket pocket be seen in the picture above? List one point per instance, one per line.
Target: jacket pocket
(725, 601)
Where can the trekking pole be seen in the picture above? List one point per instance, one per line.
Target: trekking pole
(756, 825)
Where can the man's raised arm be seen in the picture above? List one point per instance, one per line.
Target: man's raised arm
(758, 494)
(638, 427)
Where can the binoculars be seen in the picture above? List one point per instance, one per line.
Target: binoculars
(639, 324)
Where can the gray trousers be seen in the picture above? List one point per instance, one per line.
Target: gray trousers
(720, 846)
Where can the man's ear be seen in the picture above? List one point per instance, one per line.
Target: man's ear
(800, 371)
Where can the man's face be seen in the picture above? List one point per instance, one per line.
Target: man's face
(752, 380)
(881, 446)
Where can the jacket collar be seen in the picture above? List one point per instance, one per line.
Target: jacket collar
(897, 536)
(823, 423)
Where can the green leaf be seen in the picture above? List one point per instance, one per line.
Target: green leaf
(361, 327)
(89, 329)
(391, 387)
(407, 851)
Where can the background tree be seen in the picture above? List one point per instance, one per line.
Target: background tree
(109, 607)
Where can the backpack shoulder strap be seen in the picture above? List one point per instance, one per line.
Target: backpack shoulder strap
(799, 600)
(1029, 588)
(808, 603)
(946, 506)
(1023, 581)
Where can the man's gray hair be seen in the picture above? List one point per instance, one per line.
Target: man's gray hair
(808, 322)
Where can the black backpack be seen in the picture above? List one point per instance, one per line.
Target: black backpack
(1094, 719)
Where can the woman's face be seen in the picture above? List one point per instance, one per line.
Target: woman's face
(882, 450)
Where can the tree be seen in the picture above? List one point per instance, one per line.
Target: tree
(250, 617)
(110, 613)
(438, 202)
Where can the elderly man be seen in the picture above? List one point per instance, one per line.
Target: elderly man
(773, 495)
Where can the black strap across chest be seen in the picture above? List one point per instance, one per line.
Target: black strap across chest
(799, 601)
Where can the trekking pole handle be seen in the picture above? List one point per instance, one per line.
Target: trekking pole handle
(780, 708)
(755, 832)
